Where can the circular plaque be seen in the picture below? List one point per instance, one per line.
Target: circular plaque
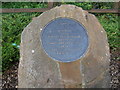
(64, 40)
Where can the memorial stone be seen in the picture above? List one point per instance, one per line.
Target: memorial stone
(65, 47)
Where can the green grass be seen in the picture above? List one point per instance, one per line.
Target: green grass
(12, 26)
(14, 23)
(24, 5)
(92, 5)
(111, 25)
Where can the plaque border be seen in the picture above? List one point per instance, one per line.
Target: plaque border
(85, 52)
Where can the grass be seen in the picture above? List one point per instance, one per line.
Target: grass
(111, 25)
(12, 26)
(24, 5)
(14, 23)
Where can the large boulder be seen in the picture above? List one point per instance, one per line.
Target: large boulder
(38, 70)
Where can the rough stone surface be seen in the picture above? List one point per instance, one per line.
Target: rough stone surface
(37, 70)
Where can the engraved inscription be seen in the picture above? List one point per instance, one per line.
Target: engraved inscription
(64, 39)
